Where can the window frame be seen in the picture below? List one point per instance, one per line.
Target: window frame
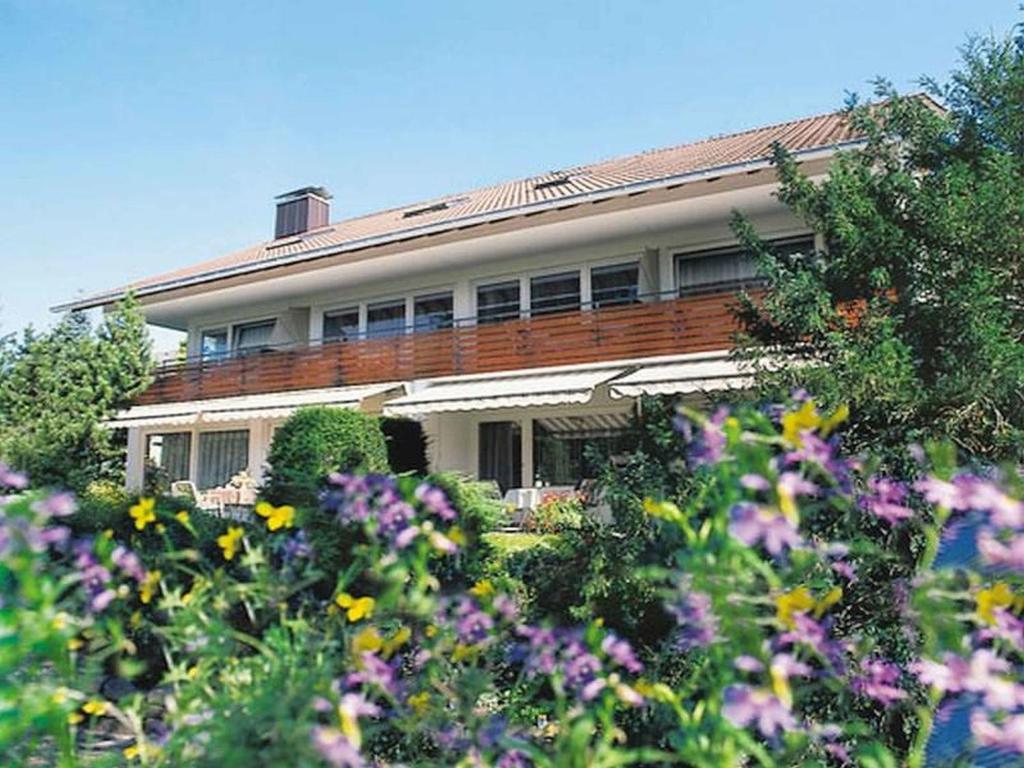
(350, 309)
(236, 328)
(395, 301)
(493, 283)
(596, 303)
(552, 276)
(417, 327)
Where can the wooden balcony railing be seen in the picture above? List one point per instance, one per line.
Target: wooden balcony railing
(678, 325)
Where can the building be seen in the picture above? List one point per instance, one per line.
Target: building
(517, 322)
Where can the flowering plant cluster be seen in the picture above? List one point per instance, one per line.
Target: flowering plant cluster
(797, 635)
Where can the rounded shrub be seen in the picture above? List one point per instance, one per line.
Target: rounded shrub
(316, 441)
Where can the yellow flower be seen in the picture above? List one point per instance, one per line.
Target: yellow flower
(430, 631)
(96, 707)
(396, 641)
(356, 608)
(131, 752)
(277, 517)
(456, 535)
(367, 641)
(789, 604)
(464, 651)
(74, 718)
(806, 417)
(149, 586)
(483, 588)
(419, 702)
(74, 644)
(182, 517)
(800, 600)
(780, 685)
(143, 513)
(998, 596)
(230, 540)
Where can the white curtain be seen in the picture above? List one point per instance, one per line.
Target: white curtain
(171, 453)
(222, 455)
(721, 269)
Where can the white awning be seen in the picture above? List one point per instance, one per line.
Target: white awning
(475, 393)
(275, 405)
(682, 378)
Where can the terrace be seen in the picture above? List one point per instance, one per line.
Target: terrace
(646, 326)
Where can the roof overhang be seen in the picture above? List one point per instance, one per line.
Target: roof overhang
(276, 405)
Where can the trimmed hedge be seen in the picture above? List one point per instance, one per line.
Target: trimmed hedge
(316, 441)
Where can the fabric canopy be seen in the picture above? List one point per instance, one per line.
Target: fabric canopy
(477, 393)
(274, 405)
(675, 378)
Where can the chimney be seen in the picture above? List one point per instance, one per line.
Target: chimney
(302, 210)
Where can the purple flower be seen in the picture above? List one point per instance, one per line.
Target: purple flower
(708, 447)
(1007, 735)
(621, 652)
(129, 563)
(698, 624)
(11, 479)
(884, 500)
(878, 681)
(744, 706)
(751, 524)
(755, 482)
(942, 493)
(514, 758)
(56, 505)
(581, 669)
(999, 554)
(747, 663)
(337, 750)
(373, 671)
(436, 502)
(471, 624)
(296, 547)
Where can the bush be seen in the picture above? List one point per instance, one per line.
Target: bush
(556, 512)
(316, 441)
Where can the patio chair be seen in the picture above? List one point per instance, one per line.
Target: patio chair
(187, 489)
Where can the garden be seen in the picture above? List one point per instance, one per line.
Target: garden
(828, 570)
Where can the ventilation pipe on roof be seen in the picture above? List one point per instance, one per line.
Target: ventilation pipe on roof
(301, 210)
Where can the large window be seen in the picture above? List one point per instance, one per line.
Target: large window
(341, 324)
(433, 312)
(731, 268)
(222, 455)
(385, 318)
(214, 344)
(253, 336)
(555, 293)
(567, 450)
(170, 454)
(501, 454)
(614, 285)
(497, 302)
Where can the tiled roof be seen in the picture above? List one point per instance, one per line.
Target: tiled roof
(451, 211)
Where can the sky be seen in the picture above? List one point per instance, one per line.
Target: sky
(141, 136)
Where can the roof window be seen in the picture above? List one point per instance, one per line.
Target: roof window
(549, 183)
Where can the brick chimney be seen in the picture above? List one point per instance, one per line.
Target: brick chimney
(302, 210)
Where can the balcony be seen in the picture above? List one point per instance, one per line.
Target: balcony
(698, 323)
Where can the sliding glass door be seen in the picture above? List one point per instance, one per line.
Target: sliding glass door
(501, 453)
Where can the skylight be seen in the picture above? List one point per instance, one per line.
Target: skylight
(549, 183)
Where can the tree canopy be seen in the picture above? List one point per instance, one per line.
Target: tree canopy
(913, 312)
(57, 386)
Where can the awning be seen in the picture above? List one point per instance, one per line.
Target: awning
(682, 378)
(475, 393)
(275, 405)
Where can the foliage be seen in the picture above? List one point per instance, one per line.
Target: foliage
(556, 512)
(316, 441)
(56, 387)
(912, 314)
(185, 639)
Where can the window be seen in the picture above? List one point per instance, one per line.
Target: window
(555, 293)
(214, 344)
(222, 455)
(567, 450)
(611, 286)
(501, 453)
(433, 312)
(497, 302)
(170, 453)
(253, 336)
(341, 325)
(732, 268)
(386, 318)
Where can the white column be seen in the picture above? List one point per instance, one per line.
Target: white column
(135, 464)
(526, 435)
(666, 273)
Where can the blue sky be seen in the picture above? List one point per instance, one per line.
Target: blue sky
(137, 137)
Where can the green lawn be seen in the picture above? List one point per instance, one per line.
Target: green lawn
(510, 543)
